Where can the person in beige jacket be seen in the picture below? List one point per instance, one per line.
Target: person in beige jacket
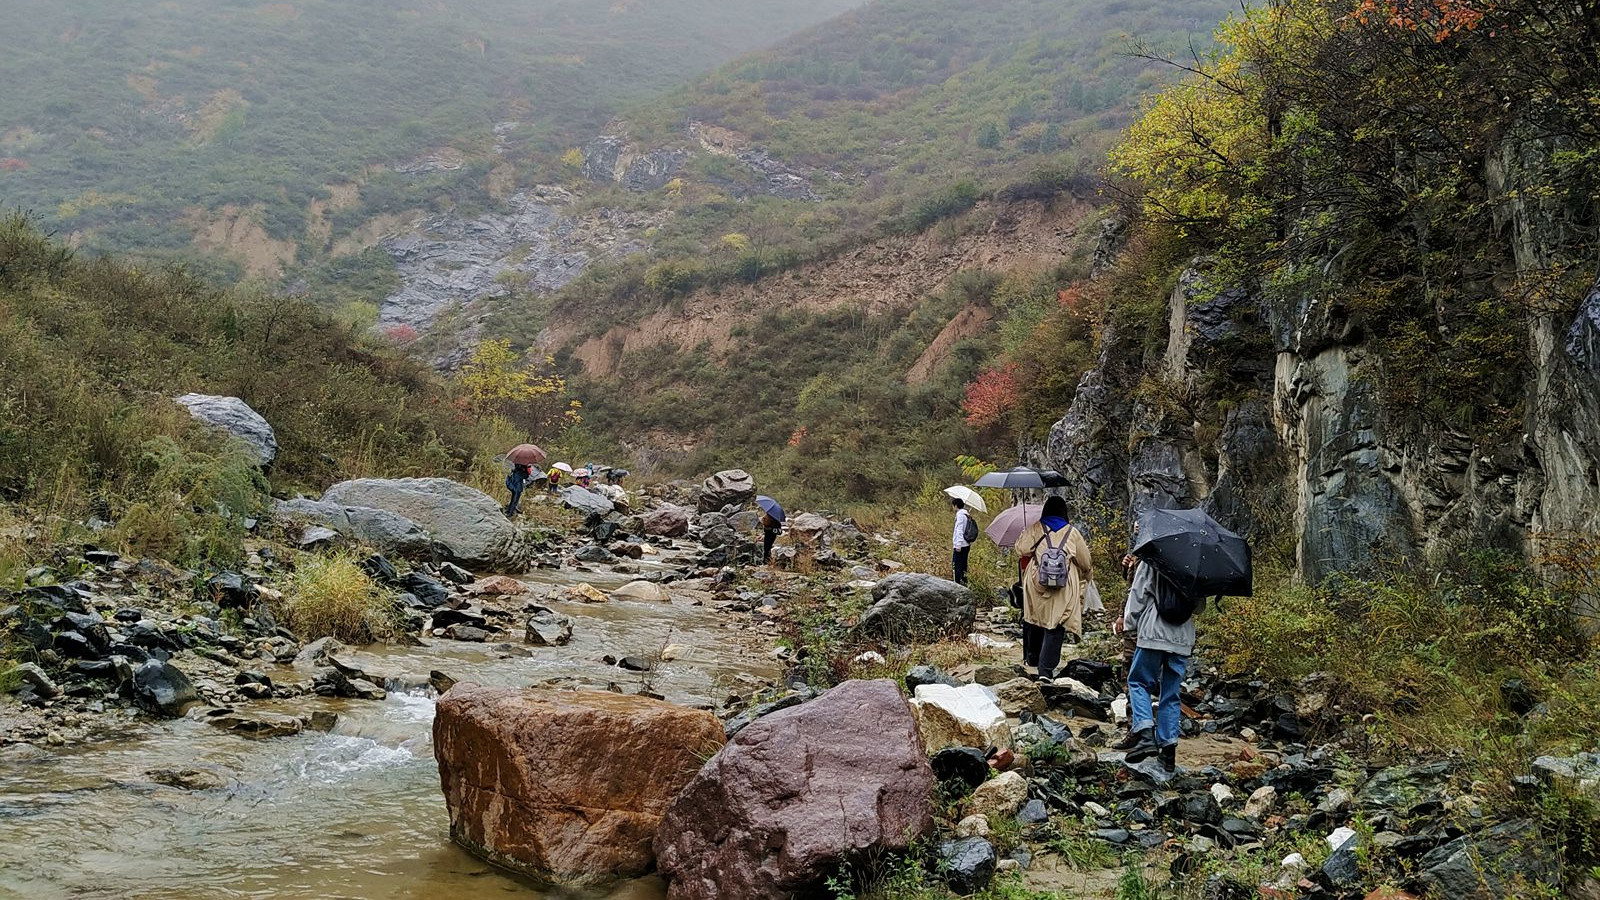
(1049, 613)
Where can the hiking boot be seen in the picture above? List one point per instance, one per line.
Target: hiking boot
(1145, 748)
(1169, 758)
(1133, 740)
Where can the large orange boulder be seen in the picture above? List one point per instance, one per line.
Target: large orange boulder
(798, 794)
(565, 786)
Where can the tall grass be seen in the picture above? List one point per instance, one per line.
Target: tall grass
(330, 596)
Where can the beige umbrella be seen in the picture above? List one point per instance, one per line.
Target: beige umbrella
(967, 495)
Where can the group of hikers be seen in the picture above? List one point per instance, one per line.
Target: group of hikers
(1055, 585)
(524, 474)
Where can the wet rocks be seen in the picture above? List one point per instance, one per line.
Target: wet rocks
(1489, 864)
(798, 793)
(548, 628)
(966, 765)
(585, 501)
(918, 607)
(959, 717)
(730, 487)
(999, 798)
(642, 590)
(255, 724)
(28, 677)
(568, 787)
(967, 864)
(235, 417)
(161, 688)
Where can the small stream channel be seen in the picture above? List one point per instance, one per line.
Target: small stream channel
(356, 813)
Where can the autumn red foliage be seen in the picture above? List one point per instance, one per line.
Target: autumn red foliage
(399, 334)
(1440, 18)
(991, 395)
(12, 164)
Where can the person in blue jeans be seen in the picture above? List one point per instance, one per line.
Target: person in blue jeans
(1159, 661)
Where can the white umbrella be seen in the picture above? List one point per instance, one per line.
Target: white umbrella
(563, 467)
(968, 496)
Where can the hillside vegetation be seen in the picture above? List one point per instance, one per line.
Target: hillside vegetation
(267, 132)
(92, 351)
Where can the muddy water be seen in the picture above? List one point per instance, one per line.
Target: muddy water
(352, 814)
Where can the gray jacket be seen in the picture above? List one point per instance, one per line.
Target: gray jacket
(1140, 617)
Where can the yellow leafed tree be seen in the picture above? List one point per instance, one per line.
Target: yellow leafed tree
(498, 380)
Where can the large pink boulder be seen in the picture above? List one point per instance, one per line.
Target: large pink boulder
(565, 786)
(796, 795)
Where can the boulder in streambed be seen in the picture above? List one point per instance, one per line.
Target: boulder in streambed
(912, 606)
(585, 501)
(567, 787)
(642, 590)
(796, 795)
(234, 416)
(388, 531)
(730, 487)
(162, 688)
(666, 521)
(465, 523)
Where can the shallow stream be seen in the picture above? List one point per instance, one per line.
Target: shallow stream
(356, 813)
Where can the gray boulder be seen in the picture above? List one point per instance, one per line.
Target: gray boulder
(730, 487)
(234, 416)
(548, 628)
(967, 864)
(380, 528)
(915, 606)
(465, 523)
(585, 501)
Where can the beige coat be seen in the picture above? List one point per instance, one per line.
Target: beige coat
(1052, 607)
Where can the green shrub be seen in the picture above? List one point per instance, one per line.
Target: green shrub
(330, 596)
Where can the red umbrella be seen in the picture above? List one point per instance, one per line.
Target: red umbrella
(526, 455)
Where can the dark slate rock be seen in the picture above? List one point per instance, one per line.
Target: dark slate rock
(430, 591)
(162, 688)
(1033, 813)
(917, 676)
(967, 864)
(379, 569)
(965, 764)
(1492, 862)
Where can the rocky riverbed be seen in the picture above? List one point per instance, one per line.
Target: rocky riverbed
(171, 738)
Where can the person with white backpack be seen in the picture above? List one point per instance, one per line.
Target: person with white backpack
(1055, 567)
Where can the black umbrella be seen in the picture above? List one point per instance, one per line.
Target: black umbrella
(1023, 478)
(1200, 557)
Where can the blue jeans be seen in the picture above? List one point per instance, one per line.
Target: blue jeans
(1158, 673)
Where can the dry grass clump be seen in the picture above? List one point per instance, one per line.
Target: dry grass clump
(330, 596)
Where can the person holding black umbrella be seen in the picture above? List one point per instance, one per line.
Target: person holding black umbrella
(1183, 556)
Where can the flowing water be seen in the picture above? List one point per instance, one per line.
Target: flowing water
(356, 813)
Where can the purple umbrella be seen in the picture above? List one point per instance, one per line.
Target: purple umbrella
(1008, 525)
(771, 508)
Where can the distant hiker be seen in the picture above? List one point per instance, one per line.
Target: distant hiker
(966, 531)
(1055, 563)
(582, 478)
(554, 476)
(770, 529)
(516, 482)
(1159, 662)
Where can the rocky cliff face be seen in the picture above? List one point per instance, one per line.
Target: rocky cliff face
(1276, 415)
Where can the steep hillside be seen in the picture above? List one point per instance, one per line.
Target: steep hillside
(889, 200)
(275, 133)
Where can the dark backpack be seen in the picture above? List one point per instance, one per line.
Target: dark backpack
(970, 533)
(1173, 606)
